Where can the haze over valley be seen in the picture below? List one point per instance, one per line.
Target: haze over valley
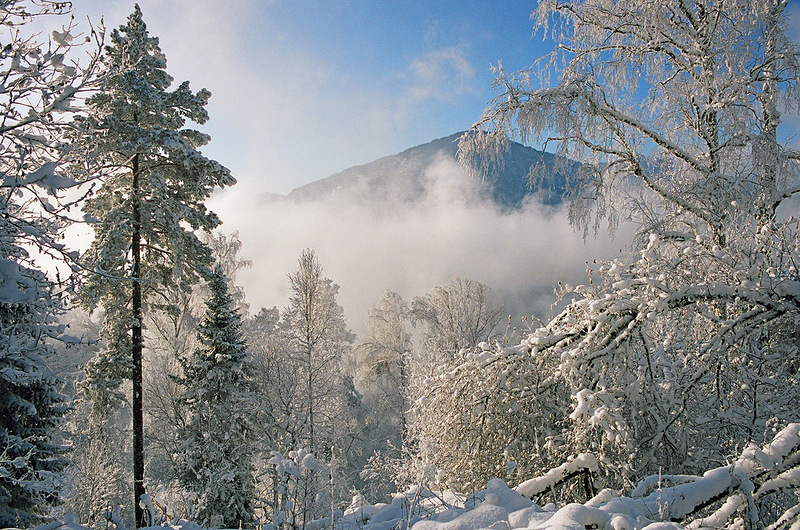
(412, 221)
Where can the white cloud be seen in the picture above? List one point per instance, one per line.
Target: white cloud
(276, 97)
(272, 101)
(441, 74)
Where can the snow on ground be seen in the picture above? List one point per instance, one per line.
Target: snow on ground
(499, 507)
(652, 505)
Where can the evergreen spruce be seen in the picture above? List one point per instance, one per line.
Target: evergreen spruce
(147, 210)
(30, 406)
(217, 463)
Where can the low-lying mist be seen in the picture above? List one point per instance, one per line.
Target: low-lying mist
(410, 247)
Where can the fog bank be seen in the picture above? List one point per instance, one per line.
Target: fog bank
(410, 247)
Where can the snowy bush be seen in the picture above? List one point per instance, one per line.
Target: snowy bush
(501, 413)
(40, 82)
(675, 353)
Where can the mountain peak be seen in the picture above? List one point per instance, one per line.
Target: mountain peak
(403, 176)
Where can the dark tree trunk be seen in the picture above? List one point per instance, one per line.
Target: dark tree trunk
(137, 344)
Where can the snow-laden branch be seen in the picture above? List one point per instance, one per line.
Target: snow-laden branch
(583, 463)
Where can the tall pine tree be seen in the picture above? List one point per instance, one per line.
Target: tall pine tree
(217, 452)
(147, 210)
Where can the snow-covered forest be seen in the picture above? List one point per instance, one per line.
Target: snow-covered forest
(139, 389)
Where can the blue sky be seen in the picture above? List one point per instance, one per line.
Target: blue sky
(305, 89)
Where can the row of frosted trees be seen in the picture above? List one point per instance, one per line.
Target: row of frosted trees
(128, 164)
(258, 418)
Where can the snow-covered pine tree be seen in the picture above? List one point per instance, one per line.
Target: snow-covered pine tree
(216, 441)
(146, 212)
(171, 336)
